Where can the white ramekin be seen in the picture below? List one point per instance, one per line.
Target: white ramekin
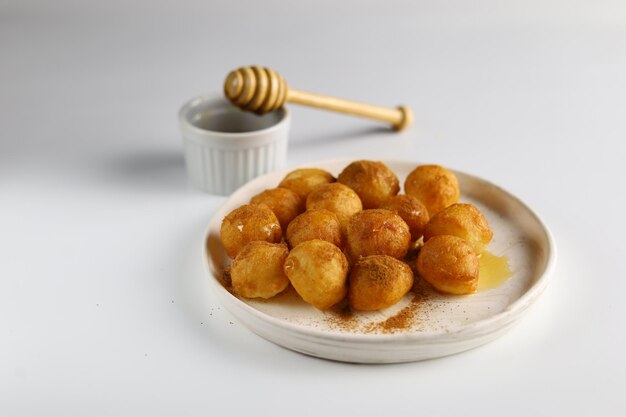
(226, 147)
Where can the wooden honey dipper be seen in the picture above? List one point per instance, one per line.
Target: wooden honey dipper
(262, 90)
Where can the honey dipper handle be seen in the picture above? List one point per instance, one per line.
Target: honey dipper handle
(400, 118)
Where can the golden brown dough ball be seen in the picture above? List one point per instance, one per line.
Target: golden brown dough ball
(315, 224)
(378, 282)
(303, 180)
(464, 221)
(433, 185)
(257, 271)
(412, 211)
(449, 264)
(246, 224)
(285, 203)
(317, 270)
(373, 181)
(377, 232)
(335, 197)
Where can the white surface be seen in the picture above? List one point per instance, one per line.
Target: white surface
(104, 305)
(443, 324)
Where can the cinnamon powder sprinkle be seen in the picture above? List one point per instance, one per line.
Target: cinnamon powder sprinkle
(404, 319)
(342, 317)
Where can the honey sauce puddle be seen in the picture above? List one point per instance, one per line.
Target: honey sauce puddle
(494, 270)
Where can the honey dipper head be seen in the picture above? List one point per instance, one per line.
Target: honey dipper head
(256, 89)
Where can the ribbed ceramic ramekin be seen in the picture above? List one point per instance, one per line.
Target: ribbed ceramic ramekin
(226, 147)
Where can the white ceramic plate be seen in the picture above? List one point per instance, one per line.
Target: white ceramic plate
(419, 327)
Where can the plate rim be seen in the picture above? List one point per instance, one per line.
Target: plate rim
(482, 326)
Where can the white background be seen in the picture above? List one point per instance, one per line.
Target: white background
(105, 308)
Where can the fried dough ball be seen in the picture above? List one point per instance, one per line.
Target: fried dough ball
(285, 203)
(377, 232)
(449, 264)
(433, 185)
(373, 181)
(464, 221)
(412, 211)
(318, 272)
(257, 271)
(378, 282)
(303, 180)
(246, 224)
(315, 224)
(338, 198)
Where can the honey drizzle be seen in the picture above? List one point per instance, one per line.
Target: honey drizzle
(494, 270)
